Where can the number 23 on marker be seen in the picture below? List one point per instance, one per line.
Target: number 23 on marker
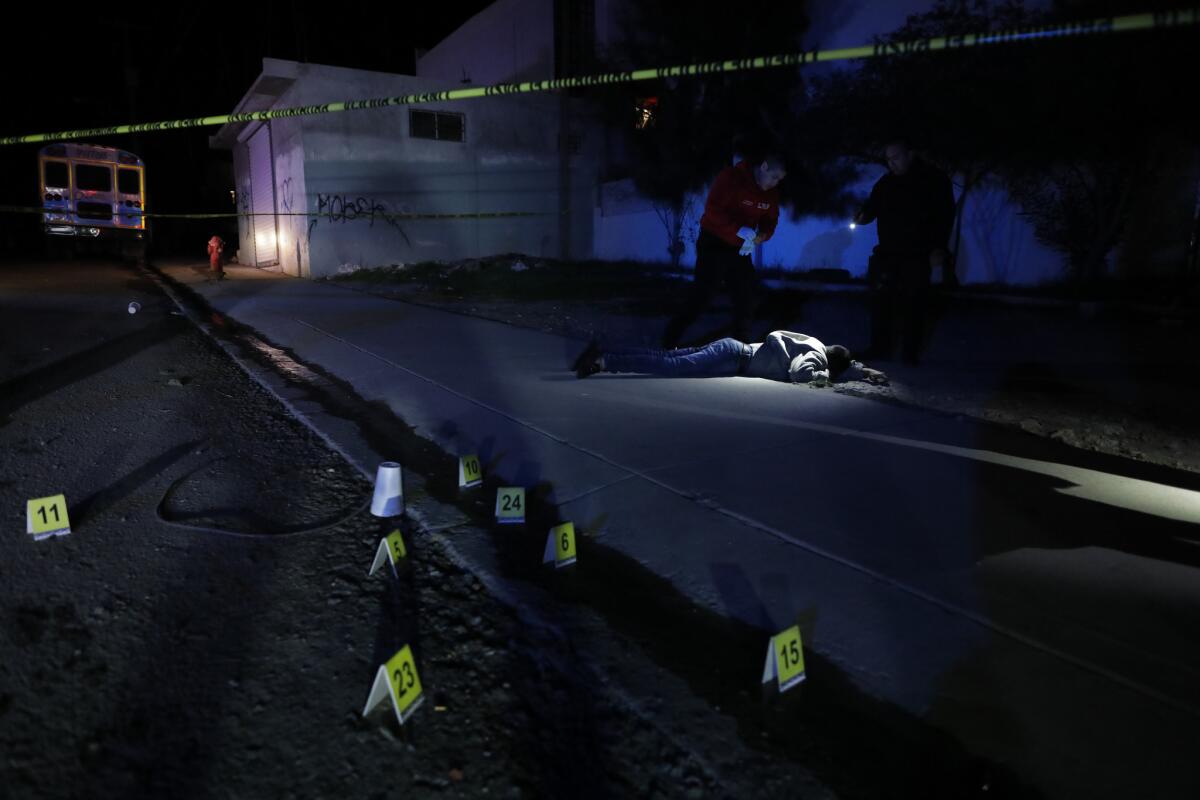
(397, 680)
(406, 685)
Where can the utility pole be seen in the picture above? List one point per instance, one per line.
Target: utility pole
(574, 51)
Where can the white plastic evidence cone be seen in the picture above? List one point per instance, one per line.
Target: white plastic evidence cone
(389, 493)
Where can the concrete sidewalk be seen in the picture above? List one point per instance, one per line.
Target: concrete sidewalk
(1023, 596)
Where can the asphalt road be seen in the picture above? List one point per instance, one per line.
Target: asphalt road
(208, 628)
(1030, 598)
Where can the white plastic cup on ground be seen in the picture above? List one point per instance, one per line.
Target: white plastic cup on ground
(135, 307)
(389, 492)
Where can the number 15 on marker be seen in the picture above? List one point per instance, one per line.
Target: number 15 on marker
(785, 659)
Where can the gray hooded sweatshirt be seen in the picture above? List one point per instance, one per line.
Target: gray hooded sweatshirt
(795, 357)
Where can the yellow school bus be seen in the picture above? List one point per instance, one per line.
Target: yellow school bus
(90, 192)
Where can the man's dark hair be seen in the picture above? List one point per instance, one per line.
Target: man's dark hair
(839, 360)
(901, 140)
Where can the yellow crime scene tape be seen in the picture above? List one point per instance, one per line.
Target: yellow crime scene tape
(1103, 25)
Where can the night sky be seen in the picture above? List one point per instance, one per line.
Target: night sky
(105, 65)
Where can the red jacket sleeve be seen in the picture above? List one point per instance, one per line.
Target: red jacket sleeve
(717, 208)
(766, 226)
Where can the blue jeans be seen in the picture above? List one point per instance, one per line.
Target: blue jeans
(719, 359)
(717, 263)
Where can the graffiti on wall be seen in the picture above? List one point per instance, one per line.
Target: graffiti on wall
(244, 197)
(246, 230)
(339, 209)
(285, 195)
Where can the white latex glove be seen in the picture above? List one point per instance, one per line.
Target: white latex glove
(747, 233)
(874, 376)
(747, 248)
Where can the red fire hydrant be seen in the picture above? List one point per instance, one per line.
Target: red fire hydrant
(216, 246)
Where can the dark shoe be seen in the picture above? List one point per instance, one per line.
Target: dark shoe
(588, 362)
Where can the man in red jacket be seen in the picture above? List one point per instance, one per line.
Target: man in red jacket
(741, 211)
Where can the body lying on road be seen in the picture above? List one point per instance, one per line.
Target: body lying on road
(783, 356)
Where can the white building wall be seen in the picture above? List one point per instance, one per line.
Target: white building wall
(997, 245)
(821, 242)
(241, 173)
(628, 227)
(290, 193)
(352, 169)
(349, 173)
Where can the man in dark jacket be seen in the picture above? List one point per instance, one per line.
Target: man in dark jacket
(914, 206)
(741, 211)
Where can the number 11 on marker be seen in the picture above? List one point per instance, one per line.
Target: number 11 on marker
(47, 516)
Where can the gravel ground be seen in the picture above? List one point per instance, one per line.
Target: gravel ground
(209, 629)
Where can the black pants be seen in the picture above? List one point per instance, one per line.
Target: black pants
(899, 304)
(717, 264)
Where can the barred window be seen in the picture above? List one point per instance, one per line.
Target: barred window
(444, 125)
